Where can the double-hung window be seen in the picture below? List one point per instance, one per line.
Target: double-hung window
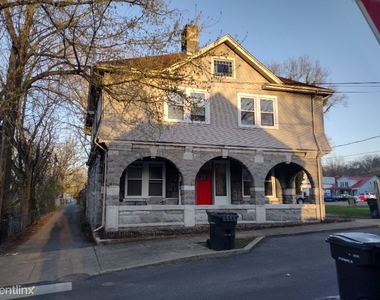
(175, 109)
(257, 111)
(198, 106)
(246, 183)
(145, 179)
(134, 179)
(191, 107)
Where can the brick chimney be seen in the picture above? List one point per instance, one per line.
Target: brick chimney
(190, 43)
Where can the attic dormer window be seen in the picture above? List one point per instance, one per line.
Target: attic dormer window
(223, 67)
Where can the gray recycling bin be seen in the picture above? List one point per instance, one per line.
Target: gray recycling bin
(351, 201)
(222, 230)
(373, 207)
(357, 260)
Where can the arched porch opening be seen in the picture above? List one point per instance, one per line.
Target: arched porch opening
(150, 181)
(289, 183)
(223, 181)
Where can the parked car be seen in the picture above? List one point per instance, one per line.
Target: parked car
(330, 198)
(366, 195)
(300, 199)
(343, 197)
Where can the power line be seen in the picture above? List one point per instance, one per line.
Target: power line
(352, 82)
(356, 92)
(370, 86)
(348, 155)
(356, 142)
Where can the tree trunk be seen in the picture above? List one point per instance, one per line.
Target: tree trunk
(12, 95)
(5, 165)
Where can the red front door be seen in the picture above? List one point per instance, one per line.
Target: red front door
(204, 188)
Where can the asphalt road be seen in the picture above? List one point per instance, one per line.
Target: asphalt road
(288, 268)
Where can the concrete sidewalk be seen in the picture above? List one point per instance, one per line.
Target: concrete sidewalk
(78, 263)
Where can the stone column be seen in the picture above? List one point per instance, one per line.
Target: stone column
(311, 197)
(112, 193)
(258, 197)
(288, 196)
(189, 215)
(188, 195)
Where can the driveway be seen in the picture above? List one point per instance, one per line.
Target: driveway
(63, 231)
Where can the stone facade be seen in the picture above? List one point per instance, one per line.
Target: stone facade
(254, 209)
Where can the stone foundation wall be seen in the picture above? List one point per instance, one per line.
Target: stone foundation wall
(125, 216)
(95, 195)
(291, 212)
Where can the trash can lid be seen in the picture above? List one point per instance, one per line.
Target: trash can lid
(360, 240)
(224, 216)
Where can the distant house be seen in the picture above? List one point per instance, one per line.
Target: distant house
(238, 148)
(328, 183)
(354, 185)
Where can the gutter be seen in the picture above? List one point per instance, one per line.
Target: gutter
(297, 89)
(104, 184)
(319, 155)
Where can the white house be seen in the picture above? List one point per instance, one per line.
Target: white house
(355, 185)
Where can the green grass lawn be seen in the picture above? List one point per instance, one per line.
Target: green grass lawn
(357, 212)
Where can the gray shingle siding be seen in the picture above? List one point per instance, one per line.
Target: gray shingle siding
(294, 131)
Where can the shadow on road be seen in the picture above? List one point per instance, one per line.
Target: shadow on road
(58, 245)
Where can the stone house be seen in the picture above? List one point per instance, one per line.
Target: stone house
(237, 148)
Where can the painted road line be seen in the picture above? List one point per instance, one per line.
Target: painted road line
(18, 291)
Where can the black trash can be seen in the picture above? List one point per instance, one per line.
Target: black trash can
(373, 207)
(357, 260)
(222, 230)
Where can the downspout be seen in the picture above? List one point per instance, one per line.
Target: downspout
(104, 183)
(319, 155)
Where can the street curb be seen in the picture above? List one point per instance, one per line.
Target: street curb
(196, 257)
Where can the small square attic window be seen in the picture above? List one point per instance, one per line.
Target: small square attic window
(223, 68)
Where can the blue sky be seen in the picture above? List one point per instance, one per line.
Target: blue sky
(332, 31)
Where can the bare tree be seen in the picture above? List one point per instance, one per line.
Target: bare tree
(334, 166)
(365, 166)
(44, 42)
(306, 70)
(33, 144)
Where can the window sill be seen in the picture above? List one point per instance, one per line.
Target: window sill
(188, 122)
(257, 127)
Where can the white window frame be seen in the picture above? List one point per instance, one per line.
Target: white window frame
(227, 59)
(186, 117)
(257, 110)
(145, 180)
